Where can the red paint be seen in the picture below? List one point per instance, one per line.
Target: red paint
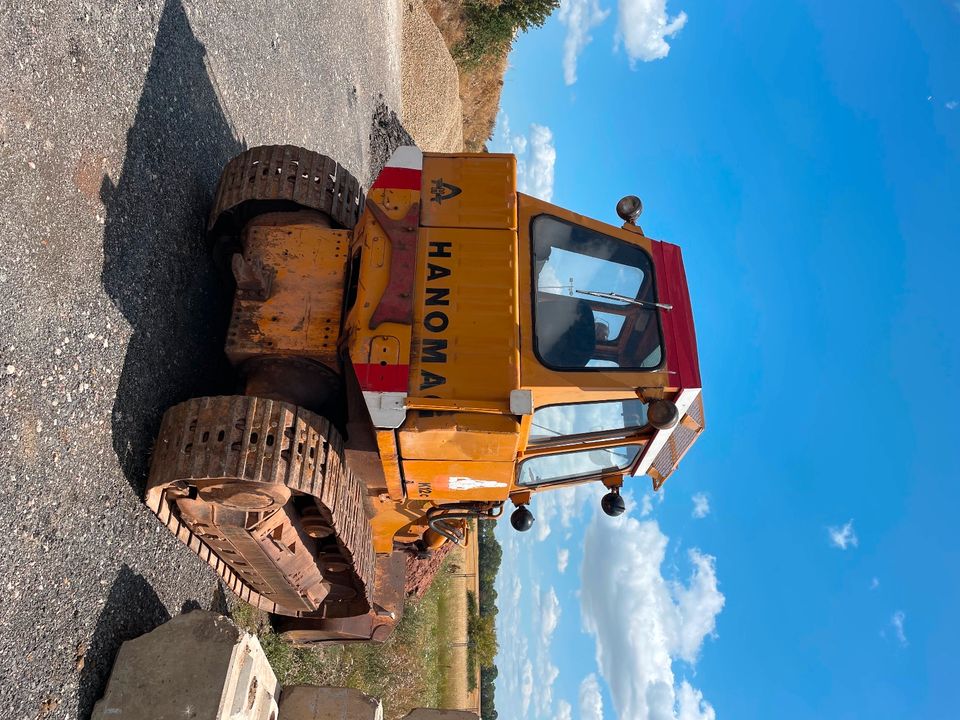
(396, 304)
(678, 331)
(397, 178)
(382, 378)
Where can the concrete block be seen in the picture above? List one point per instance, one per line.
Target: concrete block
(199, 665)
(306, 702)
(425, 714)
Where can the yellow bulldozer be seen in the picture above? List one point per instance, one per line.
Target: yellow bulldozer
(412, 360)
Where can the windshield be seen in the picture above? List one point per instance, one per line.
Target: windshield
(558, 421)
(581, 464)
(594, 299)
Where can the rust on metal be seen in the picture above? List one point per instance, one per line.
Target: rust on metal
(396, 303)
(252, 277)
(256, 481)
(376, 625)
(289, 173)
(290, 288)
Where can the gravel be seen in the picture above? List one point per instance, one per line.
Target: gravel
(115, 119)
(430, 84)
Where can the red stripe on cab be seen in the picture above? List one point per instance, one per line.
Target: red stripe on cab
(398, 178)
(382, 378)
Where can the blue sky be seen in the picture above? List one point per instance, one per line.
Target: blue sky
(803, 562)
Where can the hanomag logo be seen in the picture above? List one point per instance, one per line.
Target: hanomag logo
(443, 191)
(435, 319)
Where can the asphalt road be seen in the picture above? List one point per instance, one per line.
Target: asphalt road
(115, 119)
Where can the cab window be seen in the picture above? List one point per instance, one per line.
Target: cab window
(594, 300)
(580, 464)
(555, 422)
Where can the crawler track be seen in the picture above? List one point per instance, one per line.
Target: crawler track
(278, 173)
(258, 489)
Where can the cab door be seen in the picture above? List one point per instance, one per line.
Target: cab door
(591, 319)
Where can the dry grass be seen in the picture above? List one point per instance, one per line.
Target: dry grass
(408, 671)
(456, 690)
(480, 87)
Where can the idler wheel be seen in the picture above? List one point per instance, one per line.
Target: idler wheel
(245, 496)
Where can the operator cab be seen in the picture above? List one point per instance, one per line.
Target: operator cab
(514, 347)
(611, 362)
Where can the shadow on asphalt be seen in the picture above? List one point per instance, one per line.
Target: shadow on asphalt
(219, 603)
(156, 267)
(132, 609)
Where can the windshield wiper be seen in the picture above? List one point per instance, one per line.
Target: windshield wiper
(625, 299)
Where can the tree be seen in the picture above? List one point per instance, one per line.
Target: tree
(527, 14)
(482, 617)
(490, 29)
(488, 677)
(483, 637)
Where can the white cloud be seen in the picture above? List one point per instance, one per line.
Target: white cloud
(646, 506)
(692, 706)
(549, 615)
(547, 674)
(843, 537)
(591, 701)
(897, 621)
(526, 686)
(874, 583)
(699, 604)
(546, 617)
(641, 621)
(564, 710)
(563, 559)
(536, 157)
(644, 27)
(580, 16)
(515, 682)
(951, 104)
(537, 179)
(564, 505)
(701, 506)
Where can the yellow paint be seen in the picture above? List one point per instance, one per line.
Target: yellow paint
(389, 342)
(401, 521)
(469, 191)
(470, 343)
(458, 480)
(550, 386)
(465, 334)
(301, 316)
(390, 458)
(459, 436)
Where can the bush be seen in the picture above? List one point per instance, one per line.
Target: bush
(490, 28)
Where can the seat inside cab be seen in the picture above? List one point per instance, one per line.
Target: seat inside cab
(595, 300)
